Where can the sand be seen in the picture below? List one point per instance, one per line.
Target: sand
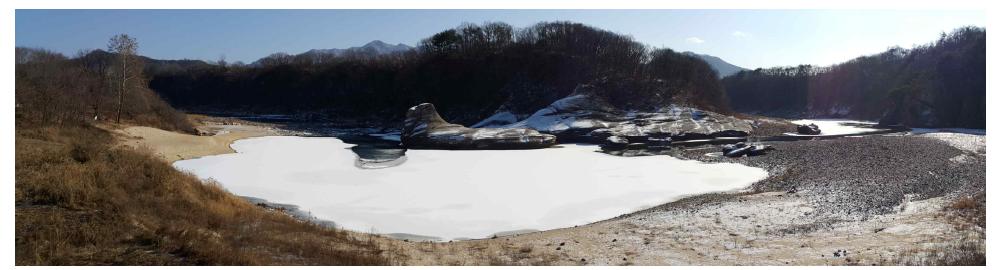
(772, 228)
(173, 146)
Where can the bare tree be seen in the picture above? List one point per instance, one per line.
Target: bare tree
(222, 62)
(128, 63)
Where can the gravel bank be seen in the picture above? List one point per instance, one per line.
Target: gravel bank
(856, 177)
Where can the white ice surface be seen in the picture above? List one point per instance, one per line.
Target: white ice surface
(835, 127)
(455, 194)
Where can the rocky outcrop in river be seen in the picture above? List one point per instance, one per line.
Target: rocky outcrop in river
(585, 117)
(424, 128)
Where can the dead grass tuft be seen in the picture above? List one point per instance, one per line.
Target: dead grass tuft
(972, 209)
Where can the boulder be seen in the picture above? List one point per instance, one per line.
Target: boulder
(615, 143)
(810, 129)
(740, 149)
(736, 150)
(759, 150)
(424, 128)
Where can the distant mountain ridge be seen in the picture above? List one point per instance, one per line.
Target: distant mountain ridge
(720, 66)
(376, 47)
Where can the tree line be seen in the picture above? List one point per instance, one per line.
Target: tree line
(52, 89)
(941, 84)
(468, 72)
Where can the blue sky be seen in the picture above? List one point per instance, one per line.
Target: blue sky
(748, 38)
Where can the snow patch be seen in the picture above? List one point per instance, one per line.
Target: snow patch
(966, 142)
(837, 126)
(561, 115)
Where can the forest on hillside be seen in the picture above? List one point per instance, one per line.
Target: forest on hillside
(941, 84)
(52, 89)
(472, 71)
(468, 72)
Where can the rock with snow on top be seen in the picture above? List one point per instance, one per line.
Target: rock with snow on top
(585, 117)
(501, 118)
(424, 128)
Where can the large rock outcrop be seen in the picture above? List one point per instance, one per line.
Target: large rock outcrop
(424, 128)
(585, 117)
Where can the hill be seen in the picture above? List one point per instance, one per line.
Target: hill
(81, 198)
(720, 66)
(468, 73)
(941, 84)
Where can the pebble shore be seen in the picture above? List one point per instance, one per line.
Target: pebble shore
(856, 177)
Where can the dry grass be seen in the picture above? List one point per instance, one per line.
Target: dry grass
(972, 209)
(79, 201)
(965, 252)
(969, 213)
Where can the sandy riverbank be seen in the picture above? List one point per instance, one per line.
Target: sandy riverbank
(173, 146)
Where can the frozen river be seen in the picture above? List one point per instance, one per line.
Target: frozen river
(460, 194)
(838, 126)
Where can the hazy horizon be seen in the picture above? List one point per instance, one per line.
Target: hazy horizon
(747, 38)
